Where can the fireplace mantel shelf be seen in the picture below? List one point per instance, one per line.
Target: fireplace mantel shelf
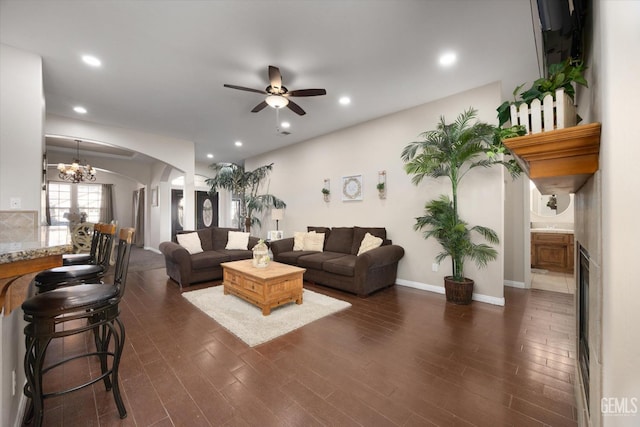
(559, 161)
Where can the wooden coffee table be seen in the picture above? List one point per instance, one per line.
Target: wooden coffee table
(268, 287)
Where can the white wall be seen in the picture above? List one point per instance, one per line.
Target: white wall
(620, 205)
(367, 148)
(21, 125)
(21, 149)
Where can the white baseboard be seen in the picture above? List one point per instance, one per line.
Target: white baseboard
(514, 284)
(152, 249)
(440, 290)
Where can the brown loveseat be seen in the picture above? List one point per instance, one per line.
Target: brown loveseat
(338, 265)
(187, 269)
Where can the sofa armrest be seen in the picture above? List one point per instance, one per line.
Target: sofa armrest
(380, 256)
(282, 245)
(175, 253)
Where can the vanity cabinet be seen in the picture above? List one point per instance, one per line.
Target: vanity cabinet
(552, 251)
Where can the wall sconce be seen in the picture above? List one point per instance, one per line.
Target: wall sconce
(382, 184)
(326, 189)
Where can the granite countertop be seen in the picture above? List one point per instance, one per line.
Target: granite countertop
(48, 240)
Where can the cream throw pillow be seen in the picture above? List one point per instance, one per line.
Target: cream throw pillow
(237, 240)
(369, 242)
(190, 241)
(313, 242)
(298, 239)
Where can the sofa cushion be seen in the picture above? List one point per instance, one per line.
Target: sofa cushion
(219, 236)
(207, 259)
(369, 242)
(358, 235)
(190, 241)
(298, 240)
(340, 240)
(236, 254)
(313, 242)
(316, 260)
(344, 266)
(205, 238)
(291, 257)
(324, 230)
(237, 240)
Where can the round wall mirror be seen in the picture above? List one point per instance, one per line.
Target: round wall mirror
(548, 205)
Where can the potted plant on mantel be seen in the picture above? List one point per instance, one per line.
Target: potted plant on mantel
(245, 185)
(558, 84)
(452, 150)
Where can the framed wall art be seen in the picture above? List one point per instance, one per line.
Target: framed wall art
(351, 188)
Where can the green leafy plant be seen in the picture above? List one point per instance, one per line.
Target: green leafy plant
(560, 75)
(325, 191)
(454, 235)
(380, 186)
(245, 185)
(497, 150)
(451, 151)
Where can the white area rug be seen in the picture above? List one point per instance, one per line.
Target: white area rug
(246, 321)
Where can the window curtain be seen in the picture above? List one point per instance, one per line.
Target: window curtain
(47, 210)
(138, 216)
(106, 204)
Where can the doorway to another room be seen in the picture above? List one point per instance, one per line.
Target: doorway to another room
(552, 242)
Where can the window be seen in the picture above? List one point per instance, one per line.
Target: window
(67, 202)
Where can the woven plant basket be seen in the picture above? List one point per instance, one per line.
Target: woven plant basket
(458, 292)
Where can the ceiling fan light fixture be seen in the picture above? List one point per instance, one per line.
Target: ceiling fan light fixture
(277, 101)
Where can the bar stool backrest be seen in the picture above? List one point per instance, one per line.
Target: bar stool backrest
(95, 238)
(105, 244)
(125, 239)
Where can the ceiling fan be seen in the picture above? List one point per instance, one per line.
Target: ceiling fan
(278, 95)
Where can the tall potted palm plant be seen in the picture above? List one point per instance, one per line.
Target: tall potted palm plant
(245, 185)
(451, 151)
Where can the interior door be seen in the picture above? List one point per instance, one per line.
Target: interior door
(206, 210)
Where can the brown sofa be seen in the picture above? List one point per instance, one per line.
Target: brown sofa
(186, 269)
(338, 265)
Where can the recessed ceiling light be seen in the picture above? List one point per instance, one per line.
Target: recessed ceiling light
(91, 60)
(209, 156)
(80, 110)
(345, 100)
(447, 59)
(285, 125)
(238, 143)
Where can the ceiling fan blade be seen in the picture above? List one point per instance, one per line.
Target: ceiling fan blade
(307, 92)
(296, 108)
(259, 107)
(248, 89)
(275, 77)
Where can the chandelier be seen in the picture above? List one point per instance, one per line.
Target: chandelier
(75, 172)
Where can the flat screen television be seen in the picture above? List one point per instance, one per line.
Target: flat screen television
(563, 26)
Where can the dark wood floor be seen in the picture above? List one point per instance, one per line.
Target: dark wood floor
(401, 357)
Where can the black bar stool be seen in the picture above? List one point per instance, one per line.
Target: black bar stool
(75, 274)
(55, 314)
(85, 258)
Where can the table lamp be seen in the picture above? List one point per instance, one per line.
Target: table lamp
(277, 214)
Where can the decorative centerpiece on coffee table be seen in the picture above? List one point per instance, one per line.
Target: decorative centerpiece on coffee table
(261, 256)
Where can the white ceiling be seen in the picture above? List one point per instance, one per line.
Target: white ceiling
(165, 62)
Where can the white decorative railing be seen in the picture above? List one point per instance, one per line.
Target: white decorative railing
(546, 115)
